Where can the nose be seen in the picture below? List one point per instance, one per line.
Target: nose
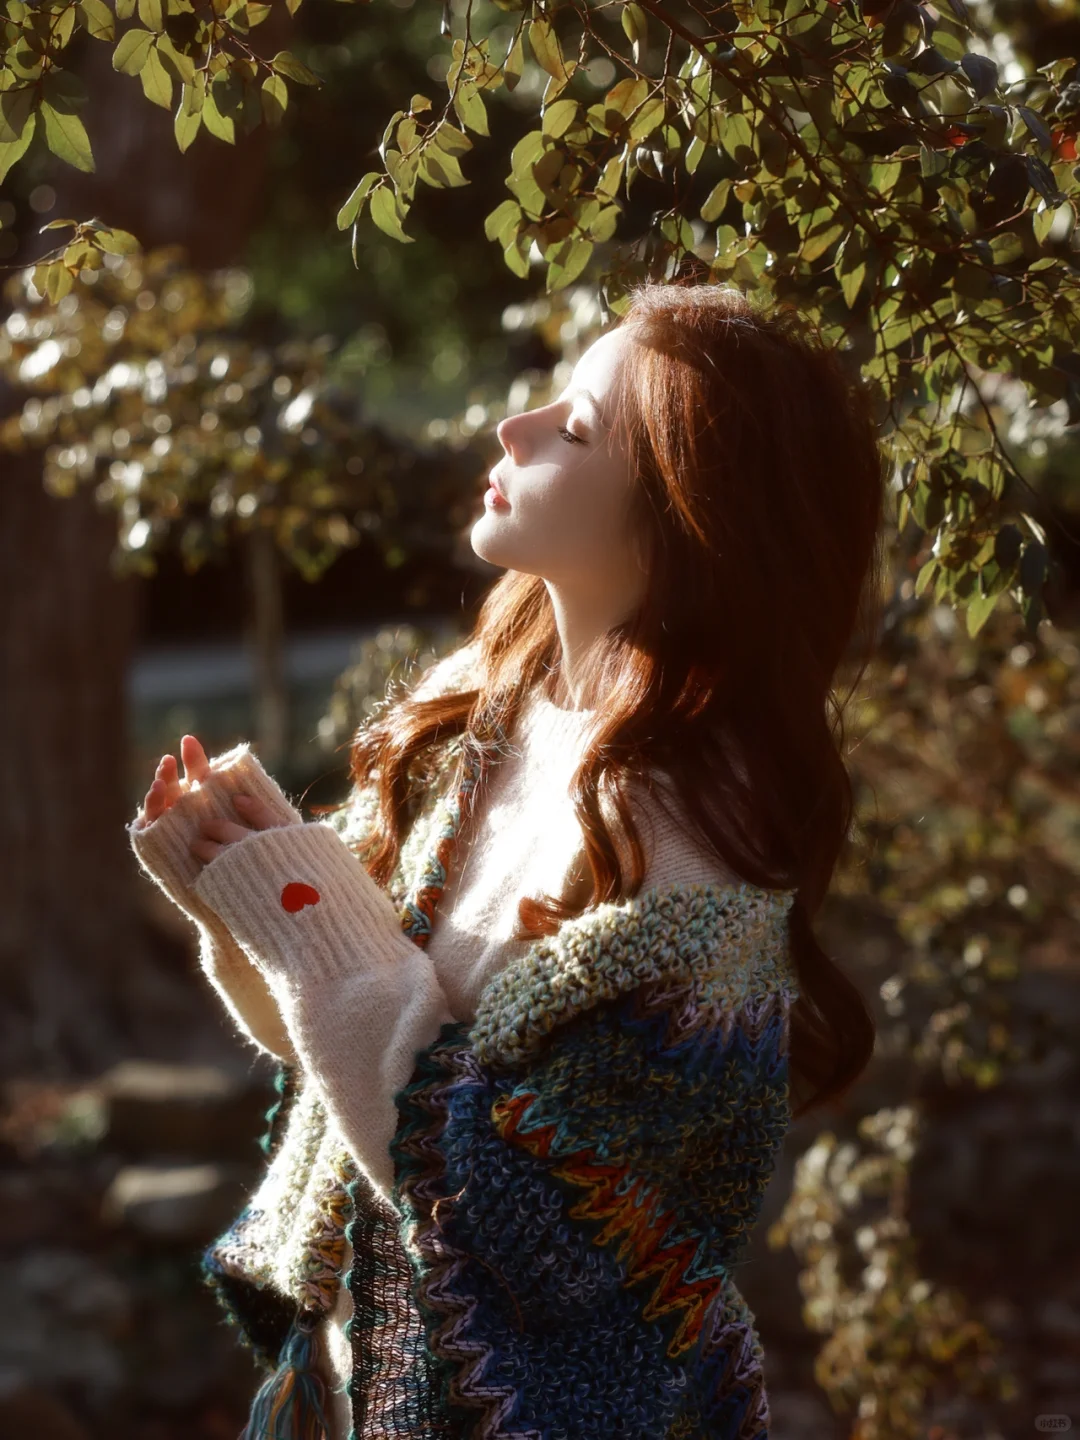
(506, 430)
(513, 432)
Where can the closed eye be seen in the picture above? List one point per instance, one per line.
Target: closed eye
(569, 435)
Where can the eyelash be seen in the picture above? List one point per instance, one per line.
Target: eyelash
(569, 435)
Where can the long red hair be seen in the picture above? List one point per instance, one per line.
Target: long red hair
(760, 498)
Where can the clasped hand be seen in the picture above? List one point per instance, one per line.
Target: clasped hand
(167, 787)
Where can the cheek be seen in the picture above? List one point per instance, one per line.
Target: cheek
(571, 519)
(587, 526)
(575, 507)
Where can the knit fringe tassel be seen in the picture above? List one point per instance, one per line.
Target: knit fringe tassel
(289, 1404)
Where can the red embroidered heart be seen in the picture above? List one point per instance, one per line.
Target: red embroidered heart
(296, 895)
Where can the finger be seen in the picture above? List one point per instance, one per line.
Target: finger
(205, 850)
(226, 831)
(154, 804)
(169, 776)
(256, 813)
(196, 765)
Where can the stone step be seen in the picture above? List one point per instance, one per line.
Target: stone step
(196, 1111)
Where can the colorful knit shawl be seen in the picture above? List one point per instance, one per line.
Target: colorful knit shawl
(577, 1175)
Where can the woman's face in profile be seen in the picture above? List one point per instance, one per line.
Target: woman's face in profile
(567, 480)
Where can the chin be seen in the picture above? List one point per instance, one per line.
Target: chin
(487, 544)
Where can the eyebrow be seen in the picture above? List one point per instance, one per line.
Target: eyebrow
(591, 398)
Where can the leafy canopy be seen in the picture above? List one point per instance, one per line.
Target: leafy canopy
(865, 162)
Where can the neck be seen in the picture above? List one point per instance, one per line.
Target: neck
(581, 621)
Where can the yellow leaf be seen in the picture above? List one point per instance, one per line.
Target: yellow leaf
(385, 213)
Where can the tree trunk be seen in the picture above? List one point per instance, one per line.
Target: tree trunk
(79, 983)
(69, 932)
(266, 640)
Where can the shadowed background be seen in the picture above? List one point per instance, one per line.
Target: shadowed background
(131, 1112)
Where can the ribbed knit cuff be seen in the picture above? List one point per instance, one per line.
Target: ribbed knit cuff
(163, 847)
(299, 901)
(359, 998)
(163, 850)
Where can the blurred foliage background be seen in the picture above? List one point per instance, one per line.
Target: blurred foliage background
(249, 373)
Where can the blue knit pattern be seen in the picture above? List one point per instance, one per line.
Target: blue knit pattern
(574, 1224)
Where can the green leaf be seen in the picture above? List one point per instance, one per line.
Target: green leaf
(1036, 125)
(58, 280)
(692, 154)
(151, 14)
(514, 62)
(978, 610)
(925, 575)
(117, 242)
(546, 48)
(818, 241)
(78, 252)
(851, 268)
(559, 117)
(737, 138)
(16, 105)
(527, 151)
(726, 240)
(603, 227)
(516, 255)
(288, 65)
(386, 214)
(219, 125)
(566, 263)
(636, 28)
(351, 209)
(949, 44)
(470, 108)
(66, 137)
(177, 62)
(125, 9)
(502, 220)
(717, 199)
(981, 71)
(607, 187)
(851, 283)
(441, 170)
(188, 117)
(1042, 222)
(449, 138)
(647, 118)
(97, 19)
(884, 176)
(13, 150)
(130, 54)
(624, 97)
(62, 28)
(156, 81)
(275, 101)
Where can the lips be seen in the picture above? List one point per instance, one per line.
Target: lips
(493, 481)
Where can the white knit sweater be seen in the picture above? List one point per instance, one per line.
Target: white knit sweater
(524, 841)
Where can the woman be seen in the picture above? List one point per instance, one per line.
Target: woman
(538, 1049)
